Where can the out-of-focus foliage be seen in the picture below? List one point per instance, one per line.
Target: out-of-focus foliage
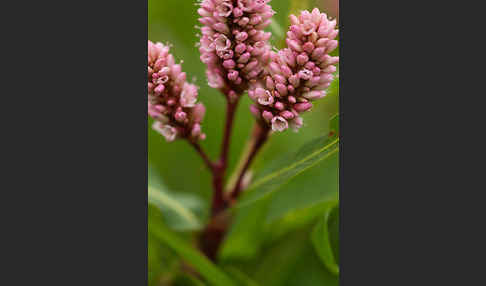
(321, 238)
(292, 165)
(269, 242)
(177, 208)
(201, 263)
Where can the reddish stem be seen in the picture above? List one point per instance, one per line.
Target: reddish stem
(219, 203)
(213, 235)
(230, 115)
(260, 135)
(203, 155)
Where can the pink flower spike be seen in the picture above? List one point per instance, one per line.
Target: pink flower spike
(294, 45)
(215, 80)
(291, 88)
(159, 89)
(259, 92)
(198, 112)
(282, 89)
(304, 106)
(296, 124)
(240, 37)
(308, 28)
(317, 53)
(267, 115)
(222, 43)
(316, 94)
(305, 74)
(294, 80)
(269, 83)
(279, 106)
(287, 114)
(225, 9)
(255, 111)
(243, 21)
(229, 64)
(240, 48)
(294, 20)
(266, 98)
(279, 124)
(292, 99)
(221, 28)
(233, 75)
(302, 59)
(167, 131)
(171, 100)
(196, 130)
(244, 58)
(188, 95)
(310, 65)
(237, 12)
(235, 26)
(299, 73)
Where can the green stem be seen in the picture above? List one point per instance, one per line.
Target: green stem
(241, 163)
(259, 137)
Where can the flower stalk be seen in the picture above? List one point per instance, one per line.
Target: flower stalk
(219, 203)
(260, 135)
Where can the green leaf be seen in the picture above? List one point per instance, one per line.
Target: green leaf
(279, 260)
(334, 88)
(163, 263)
(334, 124)
(245, 236)
(321, 239)
(271, 216)
(240, 276)
(295, 206)
(290, 261)
(309, 271)
(296, 219)
(214, 275)
(334, 233)
(305, 197)
(291, 166)
(302, 199)
(187, 280)
(176, 214)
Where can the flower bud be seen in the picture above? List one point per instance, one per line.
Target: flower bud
(171, 100)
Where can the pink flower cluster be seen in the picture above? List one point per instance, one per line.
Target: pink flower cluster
(298, 74)
(233, 44)
(171, 100)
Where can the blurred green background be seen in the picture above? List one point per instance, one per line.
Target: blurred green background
(281, 224)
